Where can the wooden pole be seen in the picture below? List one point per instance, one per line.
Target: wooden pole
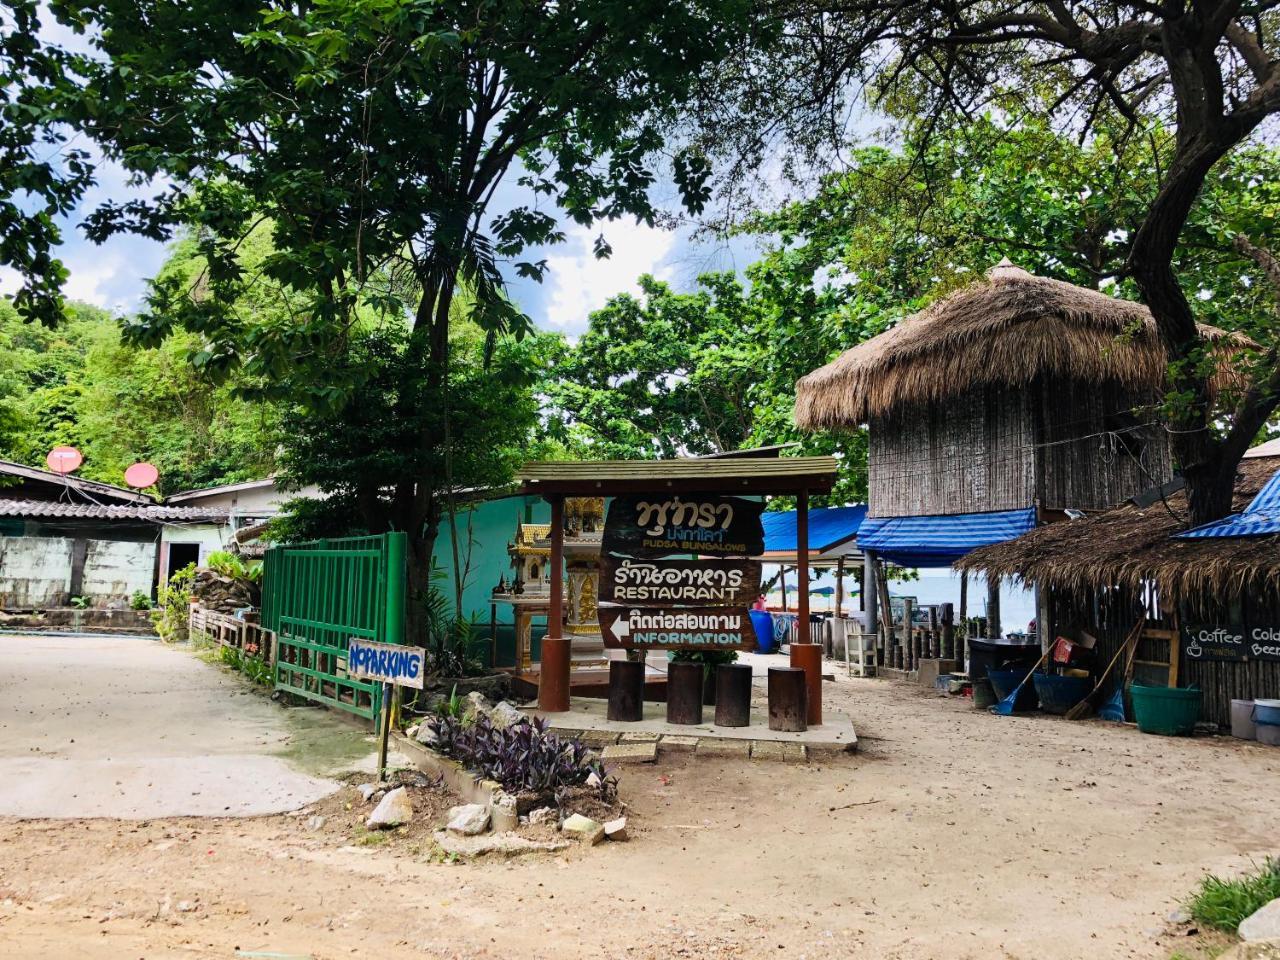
(964, 603)
(553, 677)
(993, 608)
(840, 587)
(782, 575)
(804, 654)
(384, 731)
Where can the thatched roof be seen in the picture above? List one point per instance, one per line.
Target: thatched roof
(1129, 544)
(1005, 330)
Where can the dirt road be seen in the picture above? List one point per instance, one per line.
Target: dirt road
(953, 834)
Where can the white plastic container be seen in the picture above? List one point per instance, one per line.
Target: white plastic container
(1242, 725)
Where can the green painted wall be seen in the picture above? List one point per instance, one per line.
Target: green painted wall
(484, 530)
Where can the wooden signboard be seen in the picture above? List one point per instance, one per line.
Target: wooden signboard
(688, 628)
(1264, 642)
(662, 524)
(678, 583)
(1202, 641)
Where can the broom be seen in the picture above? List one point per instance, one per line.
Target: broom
(1090, 702)
(1005, 707)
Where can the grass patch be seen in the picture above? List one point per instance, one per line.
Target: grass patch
(371, 838)
(1222, 904)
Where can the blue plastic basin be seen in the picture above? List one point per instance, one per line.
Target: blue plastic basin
(1267, 712)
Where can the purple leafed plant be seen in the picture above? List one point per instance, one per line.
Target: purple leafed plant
(523, 757)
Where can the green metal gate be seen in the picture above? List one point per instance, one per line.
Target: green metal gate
(316, 596)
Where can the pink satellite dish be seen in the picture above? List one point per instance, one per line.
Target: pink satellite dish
(141, 475)
(64, 460)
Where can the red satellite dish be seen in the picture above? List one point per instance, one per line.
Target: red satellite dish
(141, 475)
(64, 460)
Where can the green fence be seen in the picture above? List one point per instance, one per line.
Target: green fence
(318, 595)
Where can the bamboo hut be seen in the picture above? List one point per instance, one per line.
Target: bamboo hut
(1105, 571)
(1014, 401)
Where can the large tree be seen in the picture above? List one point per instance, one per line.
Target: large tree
(373, 136)
(1196, 79)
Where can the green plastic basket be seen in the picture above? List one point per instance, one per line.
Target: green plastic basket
(1168, 711)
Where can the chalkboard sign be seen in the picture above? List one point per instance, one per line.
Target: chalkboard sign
(663, 524)
(674, 583)
(1264, 642)
(688, 628)
(1214, 642)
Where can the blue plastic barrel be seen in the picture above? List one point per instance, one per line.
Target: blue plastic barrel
(763, 625)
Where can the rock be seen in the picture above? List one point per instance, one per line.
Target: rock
(367, 790)
(393, 810)
(427, 735)
(478, 703)
(503, 844)
(593, 780)
(469, 819)
(542, 815)
(503, 812)
(186, 906)
(1253, 950)
(1262, 924)
(504, 715)
(1179, 916)
(584, 828)
(411, 732)
(315, 823)
(616, 829)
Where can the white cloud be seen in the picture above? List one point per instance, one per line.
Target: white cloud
(578, 283)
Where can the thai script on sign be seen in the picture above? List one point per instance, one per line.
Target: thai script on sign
(652, 526)
(654, 517)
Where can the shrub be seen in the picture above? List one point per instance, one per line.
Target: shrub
(1222, 904)
(173, 609)
(524, 757)
(139, 601)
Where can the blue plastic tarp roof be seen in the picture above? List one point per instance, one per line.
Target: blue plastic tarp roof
(828, 526)
(1260, 518)
(939, 541)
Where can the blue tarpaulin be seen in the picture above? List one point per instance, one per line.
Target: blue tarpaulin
(828, 526)
(1260, 518)
(939, 541)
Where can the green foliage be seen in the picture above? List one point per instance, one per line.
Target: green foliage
(140, 601)
(227, 564)
(78, 384)
(1222, 904)
(255, 668)
(80, 603)
(173, 605)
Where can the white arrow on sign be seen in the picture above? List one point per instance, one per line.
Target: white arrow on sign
(622, 626)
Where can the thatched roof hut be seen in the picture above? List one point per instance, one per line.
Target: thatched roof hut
(1007, 330)
(1133, 545)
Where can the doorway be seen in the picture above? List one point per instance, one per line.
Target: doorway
(180, 555)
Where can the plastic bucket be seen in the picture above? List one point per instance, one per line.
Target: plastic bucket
(1266, 713)
(1168, 711)
(1270, 735)
(1242, 726)
(1003, 683)
(762, 622)
(1059, 694)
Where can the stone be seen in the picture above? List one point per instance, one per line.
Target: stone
(427, 735)
(186, 906)
(391, 811)
(543, 815)
(712, 747)
(639, 737)
(500, 844)
(1262, 924)
(469, 819)
(367, 790)
(594, 781)
(503, 812)
(505, 714)
(616, 829)
(478, 703)
(315, 823)
(1179, 916)
(677, 741)
(411, 732)
(584, 828)
(631, 752)
(773, 750)
(1253, 950)
(595, 738)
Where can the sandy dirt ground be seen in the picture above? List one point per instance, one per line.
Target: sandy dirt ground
(952, 834)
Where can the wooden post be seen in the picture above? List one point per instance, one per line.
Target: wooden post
(782, 576)
(993, 608)
(384, 731)
(907, 658)
(805, 654)
(553, 677)
(964, 603)
(840, 587)
(886, 616)
(935, 648)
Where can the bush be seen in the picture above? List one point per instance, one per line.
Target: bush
(173, 610)
(1222, 904)
(524, 757)
(139, 601)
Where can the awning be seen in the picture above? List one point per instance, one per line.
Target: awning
(939, 541)
(1261, 518)
(829, 527)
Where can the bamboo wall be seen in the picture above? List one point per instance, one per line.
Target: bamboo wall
(1055, 444)
(1110, 614)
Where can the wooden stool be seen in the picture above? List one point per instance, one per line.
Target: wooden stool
(626, 690)
(788, 707)
(684, 693)
(733, 695)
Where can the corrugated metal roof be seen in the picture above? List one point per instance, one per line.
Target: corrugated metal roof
(92, 511)
(75, 483)
(726, 469)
